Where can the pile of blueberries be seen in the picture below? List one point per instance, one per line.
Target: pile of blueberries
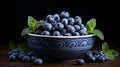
(93, 56)
(16, 54)
(62, 25)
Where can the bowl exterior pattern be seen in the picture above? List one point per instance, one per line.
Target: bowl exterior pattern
(60, 48)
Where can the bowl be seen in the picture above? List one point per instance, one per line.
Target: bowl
(60, 48)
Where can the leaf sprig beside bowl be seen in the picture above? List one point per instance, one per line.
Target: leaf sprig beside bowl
(109, 52)
(20, 46)
(32, 26)
(90, 25)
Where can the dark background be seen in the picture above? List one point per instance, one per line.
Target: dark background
(105, 13)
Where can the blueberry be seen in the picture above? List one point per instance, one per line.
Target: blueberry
(26, 59)
(38, 61)
(67, 34)
(77, 27)
(106, 58)
(82, 32)
(64, 14)
(81, 25)
(45, 33)
(76, 34)
(59, 26)
(15, 54)
(91, 58)
(38, 31)
(63, 31)
(21, 52)
(56, 33)
(54, 23)
(50, 18)
(96, 55)
(52, 30)
(95, 52)
(33, 58)
(84, 28)
(56, 17)
(71, 21)
(101, 59)
(65, 21)
(41, 21)
(80, 61)
(47, 26)
(70, 29)
(10, 53)
(20, 56)
(16, 50)
(12, 58)
(101, 53)
(30, 53)
(78, 20)
(89, 53)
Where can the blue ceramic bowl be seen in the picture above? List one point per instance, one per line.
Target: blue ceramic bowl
(60, 48)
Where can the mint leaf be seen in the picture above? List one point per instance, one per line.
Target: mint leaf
(114, 53)
(110, 55)
(109, 52)
(38, 25)
(31, 23)
(12, 45)
(90, 25)
(23, 47)
(98, 33)
(26, 31)
(105, 47)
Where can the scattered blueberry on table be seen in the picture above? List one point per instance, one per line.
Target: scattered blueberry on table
(25, 57)
(38, 61)
(80, 61)
(92, 56)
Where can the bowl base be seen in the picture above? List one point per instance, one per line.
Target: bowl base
(57, 60)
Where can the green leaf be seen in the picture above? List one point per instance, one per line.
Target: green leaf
(114, 53)
(26, 31)
(23, 47)
(31, 22)
(98, 33)
(110, 55)
(12, 45)
(105, 47)
(38, 25)
(90, 25)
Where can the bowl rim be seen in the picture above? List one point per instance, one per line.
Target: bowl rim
(46, 36)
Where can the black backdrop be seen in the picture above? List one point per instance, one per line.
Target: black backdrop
(105, 13)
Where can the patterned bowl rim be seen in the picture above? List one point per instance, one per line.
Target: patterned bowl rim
(37, 35)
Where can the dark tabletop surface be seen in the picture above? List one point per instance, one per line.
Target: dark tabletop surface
(4, 62)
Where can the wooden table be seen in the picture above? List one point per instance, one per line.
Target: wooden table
(4, 62)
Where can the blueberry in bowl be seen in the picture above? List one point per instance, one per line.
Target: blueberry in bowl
(60, 37)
